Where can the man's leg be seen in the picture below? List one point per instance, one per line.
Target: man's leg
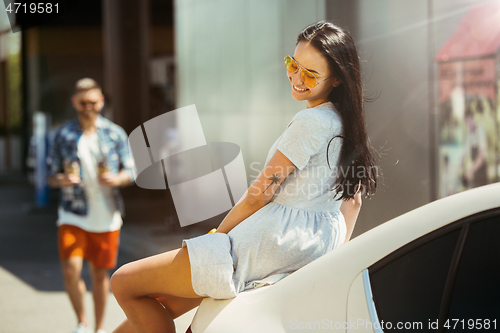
(100, 291)
(75, 286)
(101, 254)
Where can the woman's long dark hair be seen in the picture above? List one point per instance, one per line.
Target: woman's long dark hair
(357, 169)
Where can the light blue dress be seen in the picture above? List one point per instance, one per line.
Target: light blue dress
(301, 223)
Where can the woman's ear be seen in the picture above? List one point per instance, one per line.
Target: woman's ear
(336, 82)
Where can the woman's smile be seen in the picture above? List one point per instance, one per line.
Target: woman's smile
(312, 60)
(299, 90)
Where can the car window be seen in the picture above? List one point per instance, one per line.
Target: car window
(450, 276)
(408, 288)
(476, 292)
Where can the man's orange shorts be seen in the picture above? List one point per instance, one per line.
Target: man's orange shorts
(101, 249)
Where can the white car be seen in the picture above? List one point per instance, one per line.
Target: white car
(436, 268)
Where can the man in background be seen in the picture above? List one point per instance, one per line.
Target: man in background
(89, 160)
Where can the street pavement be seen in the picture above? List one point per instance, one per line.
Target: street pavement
(32, 297)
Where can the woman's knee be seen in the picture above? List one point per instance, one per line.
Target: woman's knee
(120, 281)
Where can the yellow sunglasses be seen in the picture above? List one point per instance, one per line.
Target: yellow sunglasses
(309, 78)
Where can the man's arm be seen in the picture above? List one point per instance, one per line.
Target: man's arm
(119, 179)
(56, 177)
(126, 175)
(62, 180)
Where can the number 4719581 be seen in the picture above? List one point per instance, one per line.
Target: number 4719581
(40, 8)
(471, 324)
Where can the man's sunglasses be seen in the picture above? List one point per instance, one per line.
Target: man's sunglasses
(84, 104)
(309, 78)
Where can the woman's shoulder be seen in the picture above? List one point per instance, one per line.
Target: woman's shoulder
(322, 116)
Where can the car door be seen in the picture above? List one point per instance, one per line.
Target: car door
(447, 280)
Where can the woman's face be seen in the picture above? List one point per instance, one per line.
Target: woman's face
(311, 59)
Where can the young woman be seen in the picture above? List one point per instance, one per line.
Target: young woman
(303, 204)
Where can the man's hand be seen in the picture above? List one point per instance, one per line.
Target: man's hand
(114, 179)
(63, 180)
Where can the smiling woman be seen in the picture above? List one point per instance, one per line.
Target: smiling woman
(330, 49)
(305, 86)
(289, 216)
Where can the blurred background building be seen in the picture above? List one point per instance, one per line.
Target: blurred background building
(226, 56)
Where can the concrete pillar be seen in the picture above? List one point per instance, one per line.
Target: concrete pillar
(125, 30)
(345, 14)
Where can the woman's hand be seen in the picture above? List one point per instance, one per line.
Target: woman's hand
(350, 209)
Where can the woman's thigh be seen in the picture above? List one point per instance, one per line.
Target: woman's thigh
(177, 306)
(165, 274)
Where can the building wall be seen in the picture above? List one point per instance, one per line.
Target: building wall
(10, 98)
(57, 58)
(392, 43)
(230, 53)
(230, 64)
(397, 41)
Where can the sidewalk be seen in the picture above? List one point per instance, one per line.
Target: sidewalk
(33, 297)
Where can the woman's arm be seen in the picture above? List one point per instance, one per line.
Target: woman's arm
(260, 192)
(350, 209)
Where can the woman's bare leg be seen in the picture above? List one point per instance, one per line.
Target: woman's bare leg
(166, 276)
(124, 327)
(176, 306)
